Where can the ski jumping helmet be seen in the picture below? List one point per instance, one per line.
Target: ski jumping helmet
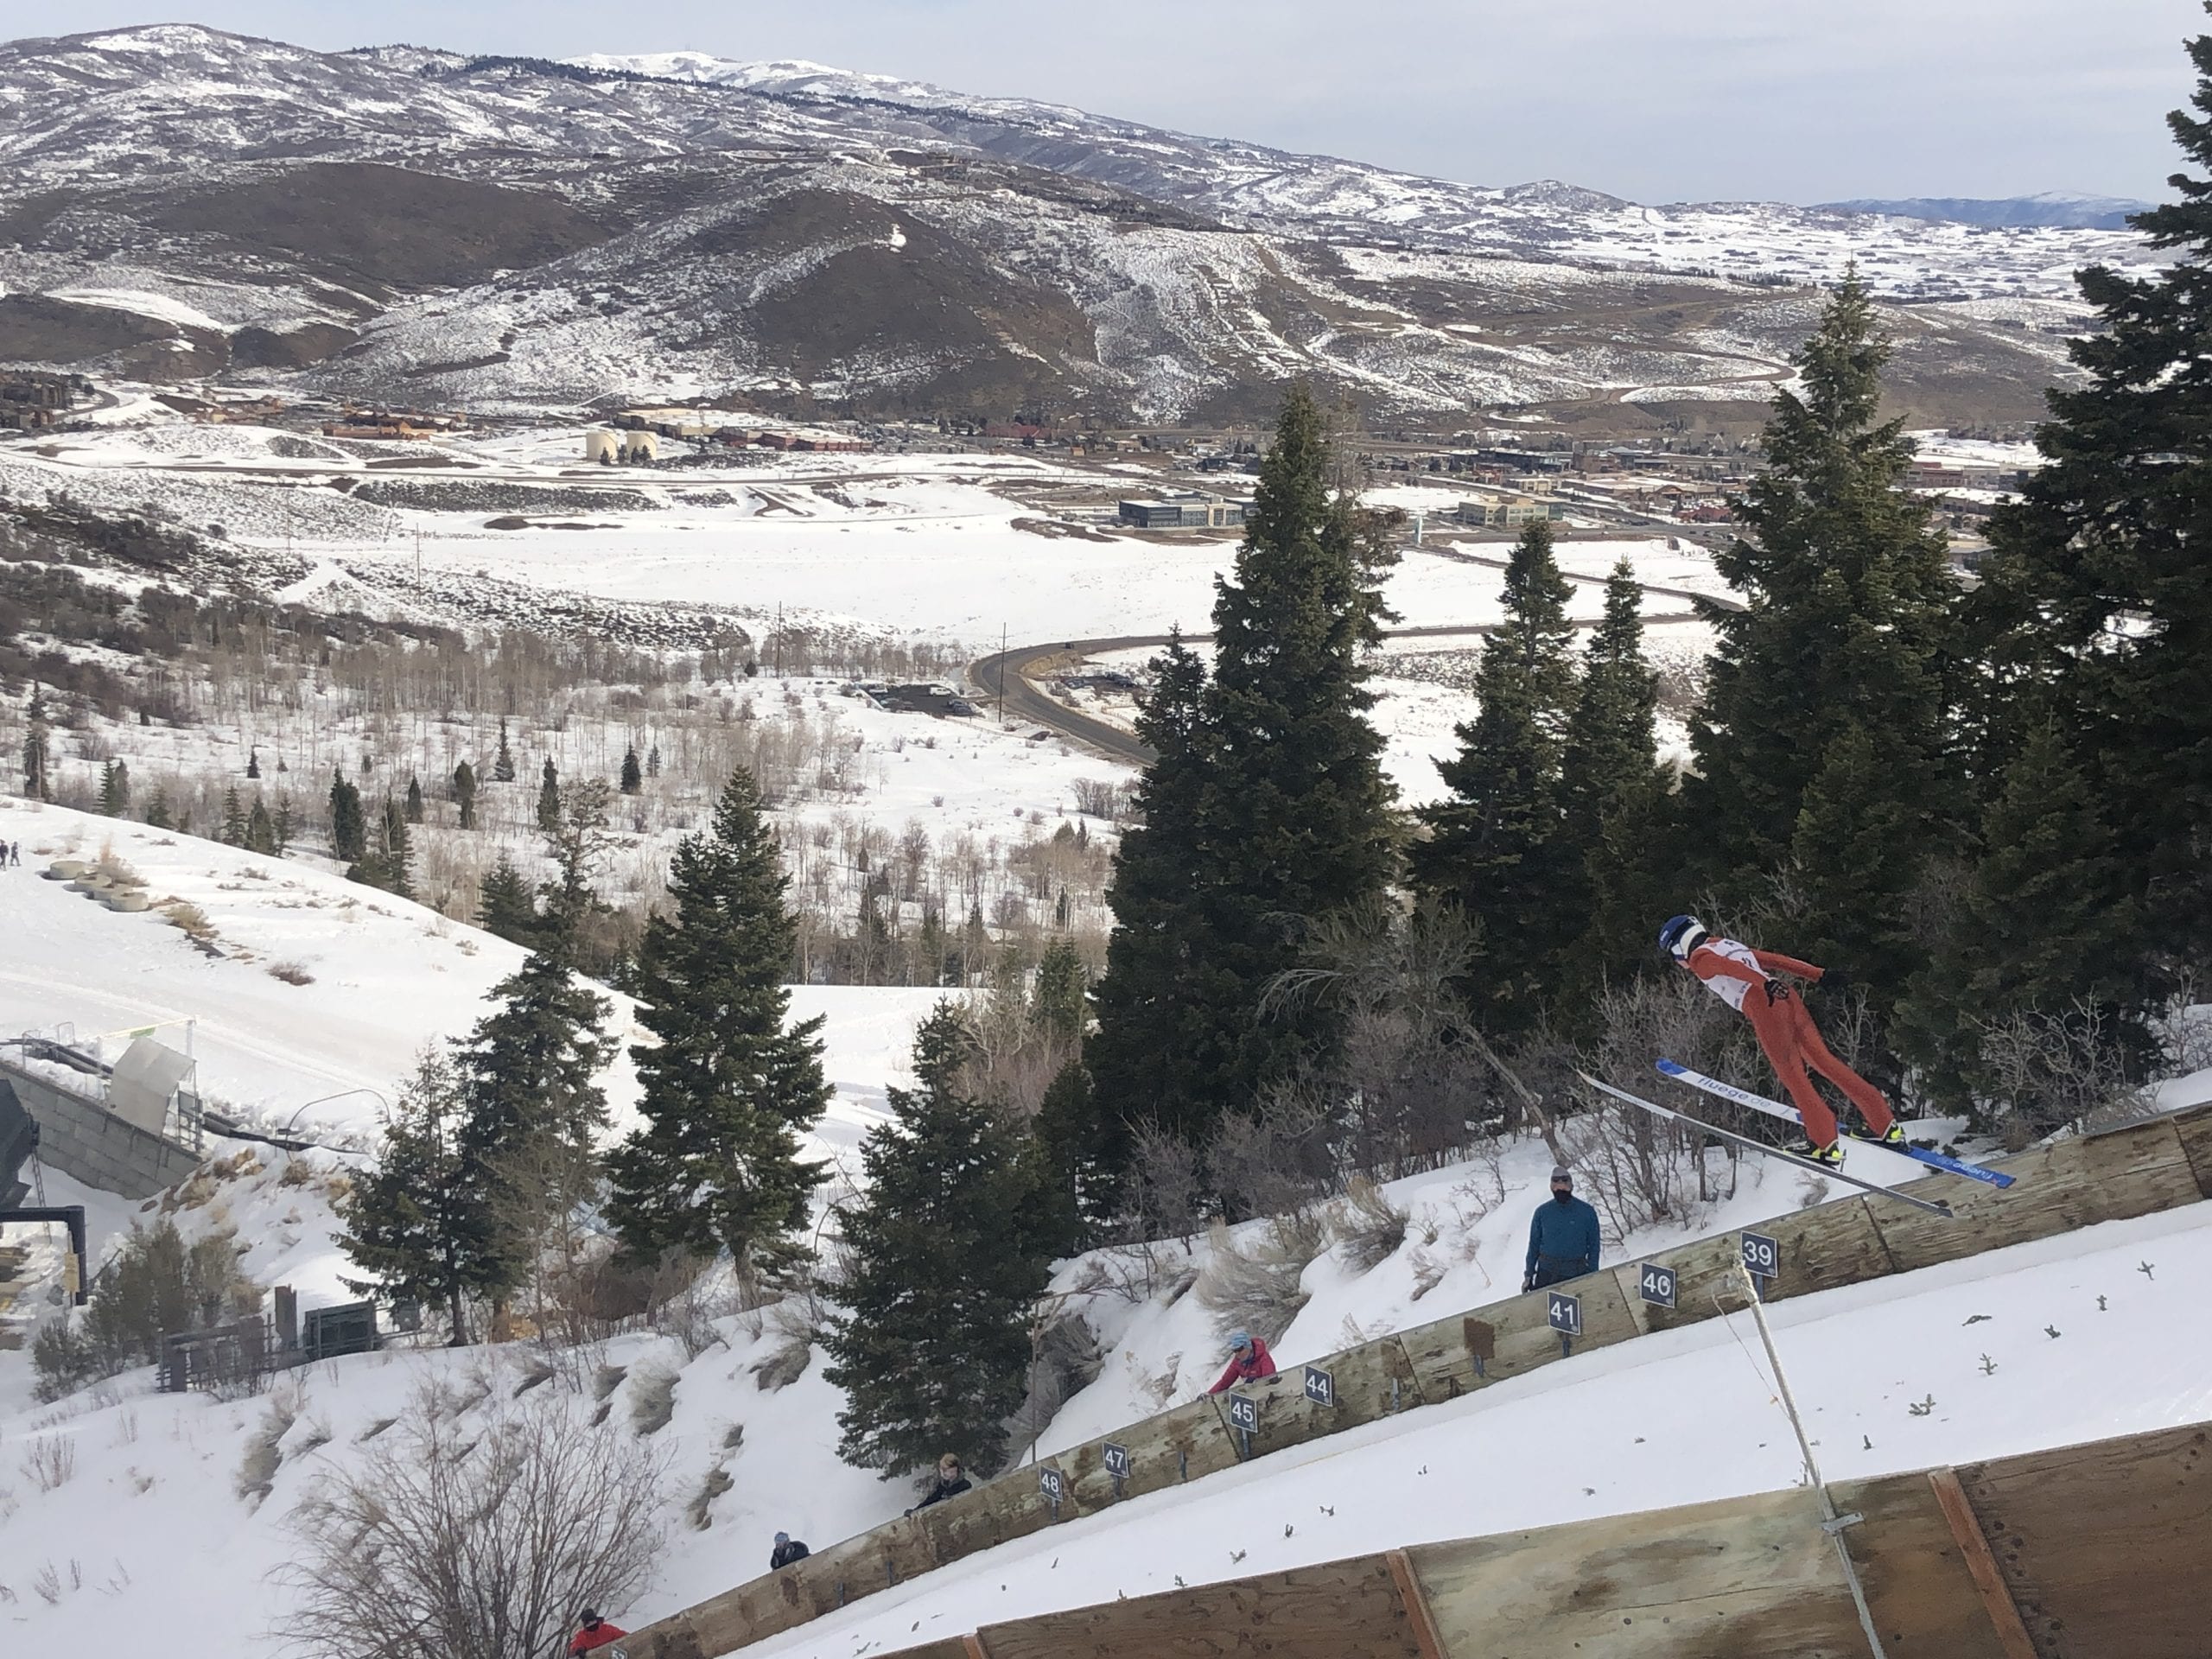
(1681, 934)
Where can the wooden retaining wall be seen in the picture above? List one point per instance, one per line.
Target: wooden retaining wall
(2089, 1552)
(2138, 1169)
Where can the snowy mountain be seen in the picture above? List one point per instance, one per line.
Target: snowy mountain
(2050, 207)
(412, 225)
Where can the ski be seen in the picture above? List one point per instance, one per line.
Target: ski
(1774, 1109)
(1933, 1206)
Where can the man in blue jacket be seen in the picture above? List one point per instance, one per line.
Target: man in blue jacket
(1563, 1237)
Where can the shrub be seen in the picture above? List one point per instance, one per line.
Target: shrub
(156, 1286)
(292, 972)
(1368, 1227)
(1255, 1286)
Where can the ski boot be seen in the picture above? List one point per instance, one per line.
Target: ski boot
(1829, 1157)
(1893, 1137)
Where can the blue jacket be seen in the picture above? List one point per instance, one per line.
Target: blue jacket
(1565, 1232)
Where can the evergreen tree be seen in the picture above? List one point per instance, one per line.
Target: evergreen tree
(38, 758)
(414, 808)
(411, 1221)
(157, 811)
(731, 1084)
(504, 905)
(464, 794)
(1612, 792)
(349, 829)
(2046, 920)
(1272, 810)
(253, 763)
(1076, 1153)
(389, 863)
(503, 766)
(284, 825)
(2096, 607)
(1058, 1008)
(1496, 848)
(548, 798)
(653, 761)
(577, 845)
(530, 1071)
(233, 830)
(115, 790)
(931, 1342)
(1834, 669)
(633, 776)
(261, 830)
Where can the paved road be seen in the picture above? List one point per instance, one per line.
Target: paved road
(1006, 674)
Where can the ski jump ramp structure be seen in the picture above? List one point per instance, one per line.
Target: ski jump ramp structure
(2138, 1513)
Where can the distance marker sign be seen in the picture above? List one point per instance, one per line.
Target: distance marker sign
(1320, 1386)
(1762, 1256)
(1244, 1413)
(1050, 1483)
(1116, 1458)
(1656, 1285)
(1565, 1313)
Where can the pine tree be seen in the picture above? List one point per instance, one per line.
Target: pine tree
(2046, 920)
(1273, 809)
(732, 1084)
(38, 758)
(1057, 1006)
(157, 810)
(115, 790)
(1847, 622)
(548, 798)
(1612, 789)
(2114, 525)
(464, 794)
(577, 845)
(931, 1344)
(253, 763)
(653, 761)
(530, 1071)
(389, 863)
(233, 831)
(633, 777)
(503, 766)
(349, 830)
(504, 905)
(414, 808)
(261, 830)
(411, 1221)
(1496, 848)
(284, 824)
(1077, 1154)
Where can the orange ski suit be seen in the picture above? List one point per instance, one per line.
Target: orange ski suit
(1743, 977)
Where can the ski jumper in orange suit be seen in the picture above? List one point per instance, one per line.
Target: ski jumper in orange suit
(1743, 978)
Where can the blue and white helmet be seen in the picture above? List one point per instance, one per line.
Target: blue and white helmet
(1681, 934)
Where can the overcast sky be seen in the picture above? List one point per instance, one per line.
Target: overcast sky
(1659, 100)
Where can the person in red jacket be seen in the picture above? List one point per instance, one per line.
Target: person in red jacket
(597, 1632)
(1745, 979)
(1248, 1360)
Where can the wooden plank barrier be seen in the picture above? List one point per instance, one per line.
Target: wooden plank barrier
(2106, 1549)
(1308, 1613)
(2138, 1169)
(2127, 1522)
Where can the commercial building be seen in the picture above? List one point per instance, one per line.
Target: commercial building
(1185, 509)
(1507, 511)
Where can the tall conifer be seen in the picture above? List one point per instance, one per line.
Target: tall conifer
(732, 1084)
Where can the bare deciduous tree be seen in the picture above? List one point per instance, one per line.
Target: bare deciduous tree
(472, 1533)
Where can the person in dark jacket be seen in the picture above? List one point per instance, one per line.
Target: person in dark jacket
(1563, 1237)
(1248, 1361)
(787, 1550)
(594, 1632)
(950, 1483)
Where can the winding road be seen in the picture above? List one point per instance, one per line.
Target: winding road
(1008, 674)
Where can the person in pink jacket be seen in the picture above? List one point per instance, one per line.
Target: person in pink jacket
(1248, 1361)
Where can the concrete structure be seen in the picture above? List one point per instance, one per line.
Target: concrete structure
(82, 1138)
(1185, 509)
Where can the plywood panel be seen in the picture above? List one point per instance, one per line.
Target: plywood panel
(1363, 1379)
(1185, 1443)
(2194, 1127)
(1517, 1334)
(1012, 1506)
(1830, 1245)
(2107, 1548)
(1341, 1609)
(2133, 1172)
(1917, 1581)
(1748, 1576)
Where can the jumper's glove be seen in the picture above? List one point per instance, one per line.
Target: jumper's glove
(1527, 1282)
(1777, 991)
(1836, 981)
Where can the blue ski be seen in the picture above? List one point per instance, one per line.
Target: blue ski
(1728, 1091)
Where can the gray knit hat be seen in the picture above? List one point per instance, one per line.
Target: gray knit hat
(1560, 1173)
